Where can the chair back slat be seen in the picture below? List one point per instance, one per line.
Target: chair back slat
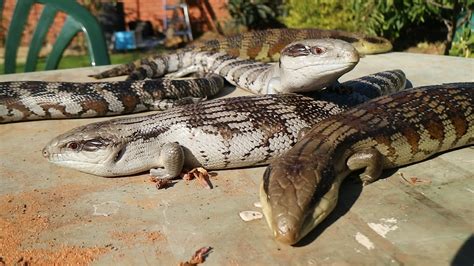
(78, 19)
(17, 25)
(44, 24)
(70, 29)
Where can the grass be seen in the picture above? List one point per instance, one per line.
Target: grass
(83, 60)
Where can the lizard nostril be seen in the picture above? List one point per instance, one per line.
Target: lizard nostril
(45, 153)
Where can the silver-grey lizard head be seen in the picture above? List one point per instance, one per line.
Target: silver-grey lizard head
(91, 149)
(315, 63)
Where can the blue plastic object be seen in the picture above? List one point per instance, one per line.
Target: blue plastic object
(124, 40)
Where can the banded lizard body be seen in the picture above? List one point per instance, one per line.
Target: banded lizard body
(215, 134)
(306, 65)
(301, 187)
(262, 45)
(35, 100)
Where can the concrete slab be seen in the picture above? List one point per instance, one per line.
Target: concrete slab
(57, 215)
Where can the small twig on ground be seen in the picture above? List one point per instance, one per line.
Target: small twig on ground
(201, 175)
(198, 257)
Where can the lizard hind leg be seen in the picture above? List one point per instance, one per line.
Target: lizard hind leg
(172, 161)
(370, 159)
(186, 71)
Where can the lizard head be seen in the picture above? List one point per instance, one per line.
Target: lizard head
(297, 193)
(90, 149)
(372, 45)
(314, 64)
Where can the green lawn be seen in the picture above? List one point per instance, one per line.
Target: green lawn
(83, 61)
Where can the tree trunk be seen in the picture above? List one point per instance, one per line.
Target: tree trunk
(451, 26)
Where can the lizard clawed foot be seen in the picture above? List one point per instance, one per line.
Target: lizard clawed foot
(161, 177)
(162, 182)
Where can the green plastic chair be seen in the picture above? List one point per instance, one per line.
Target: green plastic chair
(78, 19)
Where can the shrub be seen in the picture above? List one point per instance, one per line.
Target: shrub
(325, 14)
(392, 19)
(463, 44)
(257, 14)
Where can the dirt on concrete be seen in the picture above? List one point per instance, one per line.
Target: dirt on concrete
(25, 216)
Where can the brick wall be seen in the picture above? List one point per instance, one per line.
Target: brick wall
(33, 18)
(203, 15)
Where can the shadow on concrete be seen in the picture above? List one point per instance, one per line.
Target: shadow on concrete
(465, 256)
(349, 192)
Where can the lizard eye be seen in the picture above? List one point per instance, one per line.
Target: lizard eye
(72, 145)
(318, 50)
(93, 145)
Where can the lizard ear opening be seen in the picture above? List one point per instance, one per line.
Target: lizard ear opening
(93, 145)
(297, 49)
(120, 154)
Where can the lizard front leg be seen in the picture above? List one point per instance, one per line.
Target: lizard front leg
(370, 159)
(171, 161)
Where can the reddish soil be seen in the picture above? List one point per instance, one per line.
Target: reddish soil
(24, 217)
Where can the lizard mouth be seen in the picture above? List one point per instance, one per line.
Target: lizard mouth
(328, 67)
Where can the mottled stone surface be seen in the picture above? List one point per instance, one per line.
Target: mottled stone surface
(418, 215)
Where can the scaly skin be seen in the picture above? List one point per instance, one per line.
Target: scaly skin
(215, 134)
(307, 65)
(35, 100)
(263, 45)
(301, 187)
